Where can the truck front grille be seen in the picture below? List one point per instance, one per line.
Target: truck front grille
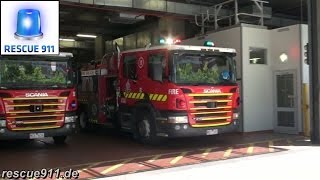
(23, 114)
(210, 109)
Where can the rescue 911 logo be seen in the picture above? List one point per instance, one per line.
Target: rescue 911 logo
(29, 27)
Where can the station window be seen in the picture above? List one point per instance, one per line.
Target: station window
(156, 61)
(129, 67)
(258, 55)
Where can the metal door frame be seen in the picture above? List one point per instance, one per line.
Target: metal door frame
(279, 129)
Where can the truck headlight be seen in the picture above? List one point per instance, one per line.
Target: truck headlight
(178, 119)
(70, 119)
(2, 123)
(235, 116)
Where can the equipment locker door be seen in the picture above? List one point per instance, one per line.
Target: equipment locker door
(286, 102)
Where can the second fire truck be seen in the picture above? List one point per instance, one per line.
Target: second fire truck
(162, 92)
(37, 97)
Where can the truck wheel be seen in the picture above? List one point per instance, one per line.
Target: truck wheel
(83, 121)
(59, 140)
(116, 121)
(146, 129)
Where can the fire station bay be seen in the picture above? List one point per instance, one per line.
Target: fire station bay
(161, 89)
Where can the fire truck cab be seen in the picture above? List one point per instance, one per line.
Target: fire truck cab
(163, 92)
(37, 97)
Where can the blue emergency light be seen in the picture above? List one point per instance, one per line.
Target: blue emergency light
(28, 25)
(162, 41)
(209, 44)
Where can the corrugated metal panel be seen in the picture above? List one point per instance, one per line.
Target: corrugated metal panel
(181, 8)
(155, 5)
(99, 2)
(119, 3)
(86, 1)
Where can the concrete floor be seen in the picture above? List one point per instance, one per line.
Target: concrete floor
(300, 162)
(101, 151)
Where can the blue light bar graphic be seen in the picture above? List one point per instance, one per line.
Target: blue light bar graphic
(28, 25)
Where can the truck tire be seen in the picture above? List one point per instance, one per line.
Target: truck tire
(59, 140)
(145, 131)
(83, 122)
(116, 121)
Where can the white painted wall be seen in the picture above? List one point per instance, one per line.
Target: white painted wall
(257, 82)
(288, 40)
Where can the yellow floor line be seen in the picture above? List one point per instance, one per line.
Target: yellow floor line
(81, 170)
(178, 158)
(148, 156)
(227, 153)
(271, 149)
(154, 158)
(112, 168)
(206, 152)
(93, 165)
(250, 148)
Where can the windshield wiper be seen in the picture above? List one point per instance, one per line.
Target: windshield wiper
(226, 83)
(56, 86)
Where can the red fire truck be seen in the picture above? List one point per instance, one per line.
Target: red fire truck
(37, 97)
(162, 92)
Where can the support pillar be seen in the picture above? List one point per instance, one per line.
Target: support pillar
(314, 42)
(99, 47)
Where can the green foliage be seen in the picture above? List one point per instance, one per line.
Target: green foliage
(185, 73)
(22, 73)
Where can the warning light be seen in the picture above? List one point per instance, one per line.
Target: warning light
(162, 41)
(177, 41)
(209, 43)
(169, 41)
(28, 25)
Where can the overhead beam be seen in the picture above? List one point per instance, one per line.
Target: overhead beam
(158, 8)
(97, 30)
(314, 42)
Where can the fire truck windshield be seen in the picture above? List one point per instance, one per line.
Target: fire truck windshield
(18, 73)
(202, 68)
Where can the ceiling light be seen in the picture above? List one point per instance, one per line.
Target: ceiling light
(254, 60)
(86, 35)
(71, 40)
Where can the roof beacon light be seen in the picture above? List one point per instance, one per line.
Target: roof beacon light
(177, 41)
(28, 25)
(162, 41)
(209, 44)
(169, 41)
